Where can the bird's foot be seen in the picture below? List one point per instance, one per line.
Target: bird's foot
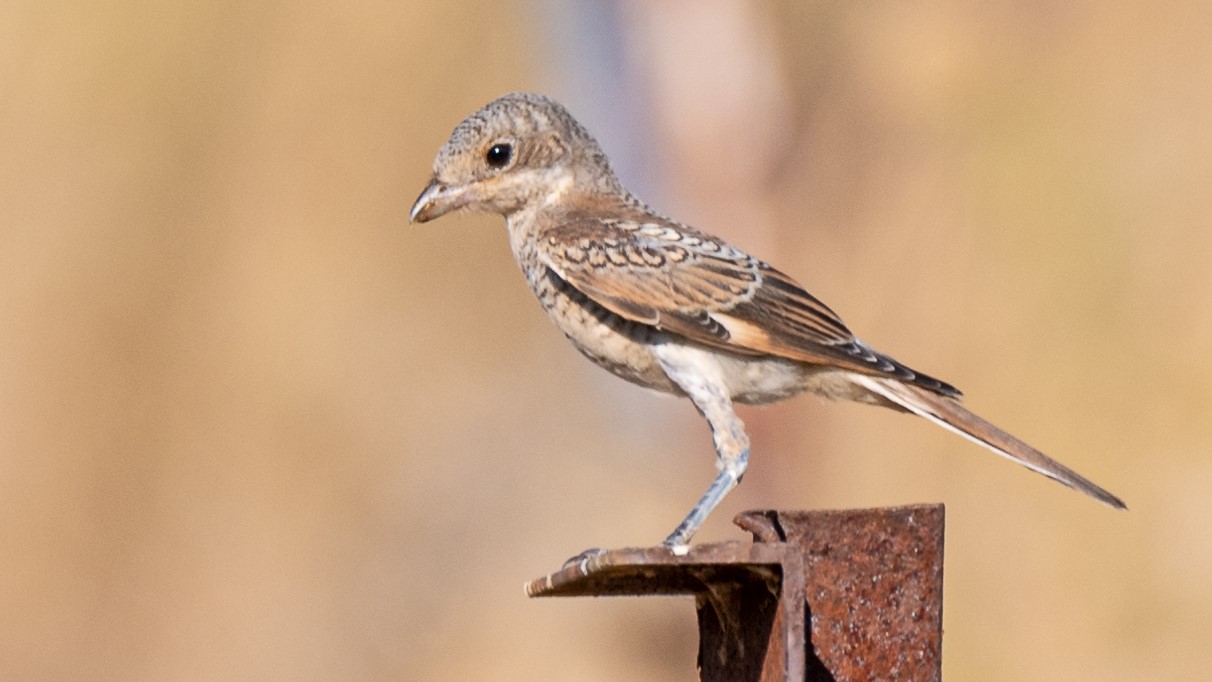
(581, 561)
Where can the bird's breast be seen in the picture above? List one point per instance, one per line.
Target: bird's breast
(612, 342)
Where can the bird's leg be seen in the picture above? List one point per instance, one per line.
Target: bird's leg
(711, 398)
(731, 471)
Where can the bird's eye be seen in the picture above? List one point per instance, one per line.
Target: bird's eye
(499, 155)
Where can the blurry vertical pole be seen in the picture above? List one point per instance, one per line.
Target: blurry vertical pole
(720, 107)
(821, 596)
(689, 98)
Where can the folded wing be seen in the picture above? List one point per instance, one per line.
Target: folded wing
(678, 279)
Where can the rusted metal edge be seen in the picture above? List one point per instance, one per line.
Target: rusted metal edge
(640, 571)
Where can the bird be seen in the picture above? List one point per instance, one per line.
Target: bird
(672, 308)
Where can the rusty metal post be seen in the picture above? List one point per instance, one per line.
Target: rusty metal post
(823, 595)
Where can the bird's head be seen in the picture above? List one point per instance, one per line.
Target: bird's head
(517, 151)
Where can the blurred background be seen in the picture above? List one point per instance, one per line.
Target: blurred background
(253, 425)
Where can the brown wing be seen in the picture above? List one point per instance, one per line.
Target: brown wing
(678, 279)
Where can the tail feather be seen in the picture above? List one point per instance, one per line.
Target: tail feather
(951, 415)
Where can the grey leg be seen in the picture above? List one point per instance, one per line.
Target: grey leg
(730, 474)
(697, 372)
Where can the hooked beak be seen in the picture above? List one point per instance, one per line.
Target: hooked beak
(437, 200)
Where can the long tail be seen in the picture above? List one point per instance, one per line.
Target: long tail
(951, 415)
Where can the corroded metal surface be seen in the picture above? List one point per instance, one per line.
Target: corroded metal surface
(873, 582)
(826, 595)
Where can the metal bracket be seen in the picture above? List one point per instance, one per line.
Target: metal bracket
(818, 595)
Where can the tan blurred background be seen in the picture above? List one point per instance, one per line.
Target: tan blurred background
(254, 426)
